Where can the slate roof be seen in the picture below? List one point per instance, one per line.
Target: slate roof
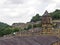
(32, 40)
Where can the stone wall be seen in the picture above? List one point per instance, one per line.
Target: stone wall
(55, 32)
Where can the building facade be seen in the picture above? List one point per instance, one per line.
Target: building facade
(46, 22)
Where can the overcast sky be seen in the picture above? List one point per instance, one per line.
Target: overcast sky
(22, 10)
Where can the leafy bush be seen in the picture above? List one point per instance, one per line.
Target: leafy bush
(15, 30)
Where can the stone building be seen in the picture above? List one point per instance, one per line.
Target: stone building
(19, 25)
(46, 22)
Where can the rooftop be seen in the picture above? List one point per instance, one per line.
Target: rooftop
(46, 13)
(32, 40)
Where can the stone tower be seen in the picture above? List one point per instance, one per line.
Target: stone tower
(46, 22)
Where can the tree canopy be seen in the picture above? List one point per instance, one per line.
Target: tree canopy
(5, 29)
(35, 18)
(55, 15)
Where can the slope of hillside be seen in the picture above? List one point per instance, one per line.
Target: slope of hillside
(3, 28)
(3, 25)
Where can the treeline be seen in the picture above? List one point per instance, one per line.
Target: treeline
(5, 29)
(55, 16)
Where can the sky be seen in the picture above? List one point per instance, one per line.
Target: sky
(21, 11)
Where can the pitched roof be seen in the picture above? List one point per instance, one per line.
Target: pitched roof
(46, 13)
(32, 40)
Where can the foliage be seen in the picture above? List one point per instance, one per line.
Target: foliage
(5, 29)
(8, 30)
(15, 29)
(36, 25)
(56, 14)
(28, 27)
(32, 26)
(36, 18)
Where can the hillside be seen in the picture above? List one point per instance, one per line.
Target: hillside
(5, 29)
(3, 25)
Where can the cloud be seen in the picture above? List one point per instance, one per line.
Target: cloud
(51, 7)
(22, 10)
(18, 1)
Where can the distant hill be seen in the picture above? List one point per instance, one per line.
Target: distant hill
(3, 25)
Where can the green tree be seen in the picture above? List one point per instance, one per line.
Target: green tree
(36, 18)
(16, 29)
(36, 25)
(56, 14)
(7, 31)
(28, 27)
